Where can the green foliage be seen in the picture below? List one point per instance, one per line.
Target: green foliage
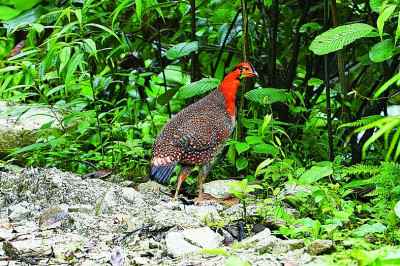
(198, 87)
(337, 38)
(114, 72)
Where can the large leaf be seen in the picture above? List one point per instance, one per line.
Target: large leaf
(182, 49)
(316, 173)
(24, 19)
(198, 87)
(383, 17)
(337, 38)
(369, 229)
(381, 51)
(267, 95)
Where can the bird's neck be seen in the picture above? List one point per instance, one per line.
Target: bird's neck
(229, 87)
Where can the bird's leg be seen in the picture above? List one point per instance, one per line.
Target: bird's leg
(185, 172)
(200, 181)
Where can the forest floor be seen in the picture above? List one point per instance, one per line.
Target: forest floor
(50, 217)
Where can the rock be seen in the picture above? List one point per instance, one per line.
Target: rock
(5, 234)
(19, 211)
(117, 257)
(262, 242)
(84, 220)
(19, 123)
(318, 247)
(52, 215)
(207, 213)
(203, 237)
(219, 188)
(177, 246)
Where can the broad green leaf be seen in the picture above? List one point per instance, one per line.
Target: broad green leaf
(254, 140)
(265, 149)
(337, 38)
(87, 92)
(197, 87)
(24, 19)
(267, 95)
(369, 229)
(182, 49)
(7, 12)
(383, 17)
(262, 165)
(241, 147)
(314, 174)
(65, 55)
(90, 46)
(381, 51)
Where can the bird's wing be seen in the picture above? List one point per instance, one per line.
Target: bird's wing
(201, 133)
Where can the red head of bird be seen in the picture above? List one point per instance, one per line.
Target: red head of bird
(231, 83)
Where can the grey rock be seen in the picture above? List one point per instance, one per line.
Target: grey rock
(202, 237)
(219, 188)
(52, 215)
(87, 218)
(318, 247)
(208, 213)
(177, 245)
(19, 123)
(19, 211)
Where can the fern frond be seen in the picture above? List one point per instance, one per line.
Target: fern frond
(362, 122)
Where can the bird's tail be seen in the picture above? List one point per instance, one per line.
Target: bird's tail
(162, 173)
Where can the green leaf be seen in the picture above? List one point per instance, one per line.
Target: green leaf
(381, 51)
(7, 12)
(267, 95)
(139, 9)
(315, 173)
(182, 49)
(72, 66)
(397, 29)
(375, 5)
(260, 168)
(65, 55)
(39, 28)
(241, 147)
(197, 87)
(241, 163)
(383, 17)
(29, 148)
(369, 229)
(386, 85)
(265, 149)
(337, 38)
(24, 19)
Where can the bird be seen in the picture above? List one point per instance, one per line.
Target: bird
(196, 134)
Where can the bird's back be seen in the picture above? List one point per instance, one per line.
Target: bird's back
(193, 135)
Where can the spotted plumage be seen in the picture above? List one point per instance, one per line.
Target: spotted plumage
(195, 134)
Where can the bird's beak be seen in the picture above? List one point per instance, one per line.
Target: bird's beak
(250, 74)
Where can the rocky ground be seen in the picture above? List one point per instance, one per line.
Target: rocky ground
(49, 217)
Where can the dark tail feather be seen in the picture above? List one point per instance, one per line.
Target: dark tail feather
(161, 173)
